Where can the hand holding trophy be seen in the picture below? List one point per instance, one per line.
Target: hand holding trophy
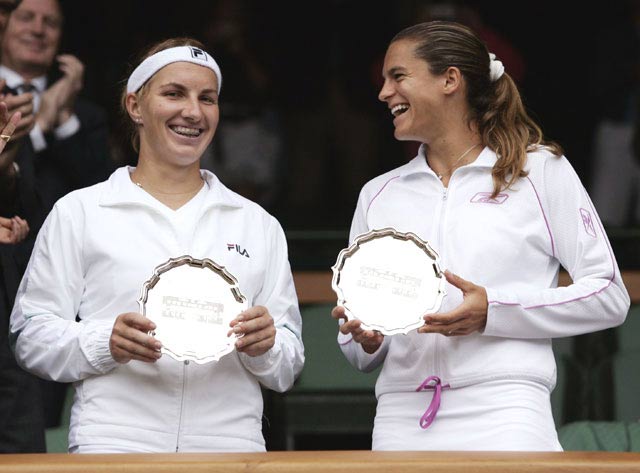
(192, 303)
(388, 281)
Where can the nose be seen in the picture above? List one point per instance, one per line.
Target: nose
(385, 92)
(37, 25)
(192, 109)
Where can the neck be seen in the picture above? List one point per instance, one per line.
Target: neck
(447, 148)
(447, 155)
(173, 187)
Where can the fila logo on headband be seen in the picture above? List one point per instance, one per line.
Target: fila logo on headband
(198, 53)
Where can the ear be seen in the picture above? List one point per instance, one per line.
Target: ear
(132, 103)
(452, 80)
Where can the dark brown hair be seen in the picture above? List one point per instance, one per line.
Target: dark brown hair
(496, 106)
(150, 51)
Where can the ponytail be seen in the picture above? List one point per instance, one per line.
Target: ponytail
(508, 130)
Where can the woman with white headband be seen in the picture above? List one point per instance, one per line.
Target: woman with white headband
(503, 209)
(76, 315)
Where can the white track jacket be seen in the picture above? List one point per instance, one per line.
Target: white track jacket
(94, 252)
(513, 246)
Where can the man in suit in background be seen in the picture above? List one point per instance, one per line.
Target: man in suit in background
(66, 149)
(69, 139)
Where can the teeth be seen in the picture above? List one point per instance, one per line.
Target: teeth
(183, 130)
(399, 109)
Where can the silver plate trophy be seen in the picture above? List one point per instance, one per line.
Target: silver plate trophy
(192, 301)
(388, 280)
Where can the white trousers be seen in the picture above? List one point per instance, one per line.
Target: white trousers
(493, 416)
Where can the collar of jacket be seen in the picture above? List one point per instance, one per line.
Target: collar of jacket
(486, 159)
(120, 190)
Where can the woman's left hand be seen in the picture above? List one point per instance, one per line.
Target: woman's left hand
(13, 230)
(468, 317)
(257, 329)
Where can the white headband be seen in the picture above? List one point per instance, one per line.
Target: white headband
(496, 68)
(157, 61)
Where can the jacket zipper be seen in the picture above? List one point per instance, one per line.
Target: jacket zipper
(441, 222)
(184, 383)
(441, 217)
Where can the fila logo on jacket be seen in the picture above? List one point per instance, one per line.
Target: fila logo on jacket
(239, 250)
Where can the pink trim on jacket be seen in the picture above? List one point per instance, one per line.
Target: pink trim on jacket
(613, 268)
(546, 222)
(379, 192)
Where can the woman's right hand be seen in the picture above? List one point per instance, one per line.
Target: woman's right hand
(130, 339)
(369, 339)
(8, 124)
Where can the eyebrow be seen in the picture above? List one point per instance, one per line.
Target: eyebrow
(182, 87)
(394, 69)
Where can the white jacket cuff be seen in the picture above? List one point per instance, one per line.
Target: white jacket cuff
(359, 358)
(37, 138)
(68, 128)
(262, 364)
(495, 326)
(94, 344)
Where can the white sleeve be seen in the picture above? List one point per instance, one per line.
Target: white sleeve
(353, 351)
(68, 128)
(38, 140)
(596, 300)
(45, 336)
(278, 368)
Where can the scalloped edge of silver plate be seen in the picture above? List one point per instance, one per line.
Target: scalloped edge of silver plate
(198, 263)
(363, 238)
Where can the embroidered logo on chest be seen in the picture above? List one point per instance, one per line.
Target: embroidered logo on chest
(238, 249)
(587, 221)
(485, 198)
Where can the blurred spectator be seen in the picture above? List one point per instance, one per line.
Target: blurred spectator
(615, 82)
(21, 417)
(67, 146)
(65, 150)
(334, 124)
(12, 128)
(247, 151)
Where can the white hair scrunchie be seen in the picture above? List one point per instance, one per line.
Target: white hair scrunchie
(157, 61)
(496, 68)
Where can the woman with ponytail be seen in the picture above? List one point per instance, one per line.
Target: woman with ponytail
(504, 209)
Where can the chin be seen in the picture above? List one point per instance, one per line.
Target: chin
(185, 159)
(188, 153)
(400, 136)
(37, 64)
(188, 161)
(403, 135)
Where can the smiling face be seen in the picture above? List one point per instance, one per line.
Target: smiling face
(32, 37)
(177, 112)
(414, 95)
